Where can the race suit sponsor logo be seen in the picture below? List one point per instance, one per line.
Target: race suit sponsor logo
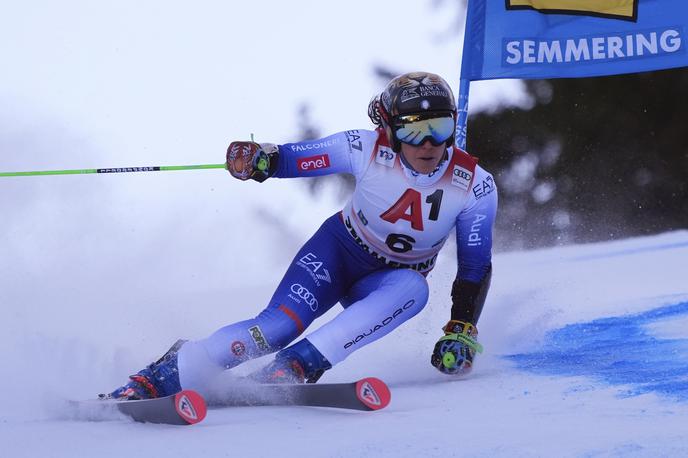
(315, 268)
(461, 177)
(621, 9)
(421, 266)
(238, 348)
(380, 325)
(259, 338)
(354, 139)
(300, 291)
(385, 156)
(474, 236)
(306, 164)
(308, 146)
(484, 188)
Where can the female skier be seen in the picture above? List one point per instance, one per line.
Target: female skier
(413, 186)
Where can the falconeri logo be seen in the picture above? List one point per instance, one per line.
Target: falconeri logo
(616, 9)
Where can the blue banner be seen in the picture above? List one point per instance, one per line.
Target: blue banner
(534, 39)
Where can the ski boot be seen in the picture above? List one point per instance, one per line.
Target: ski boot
(300, 363)
(154, 381)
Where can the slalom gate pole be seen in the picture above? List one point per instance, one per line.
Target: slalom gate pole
(114, 170)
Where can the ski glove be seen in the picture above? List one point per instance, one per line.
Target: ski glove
(250, 160)
(454, 353)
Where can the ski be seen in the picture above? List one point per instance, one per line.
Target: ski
(366, 394)
(184, 408)
(188, 407)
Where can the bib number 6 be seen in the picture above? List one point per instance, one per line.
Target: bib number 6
(400, 243)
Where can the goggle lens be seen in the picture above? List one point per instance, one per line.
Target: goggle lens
(415, 129)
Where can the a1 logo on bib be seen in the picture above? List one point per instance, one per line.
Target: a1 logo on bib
(385, 156)
(461, 177)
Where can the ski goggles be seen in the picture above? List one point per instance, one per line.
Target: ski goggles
(414, 129)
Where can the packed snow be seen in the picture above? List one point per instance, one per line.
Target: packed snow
(586, 346)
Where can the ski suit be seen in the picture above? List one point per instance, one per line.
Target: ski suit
(372, 257)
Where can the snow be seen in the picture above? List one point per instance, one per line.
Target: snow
(101, 274)
(541, 388)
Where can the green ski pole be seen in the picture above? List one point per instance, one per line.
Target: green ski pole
(114, 170)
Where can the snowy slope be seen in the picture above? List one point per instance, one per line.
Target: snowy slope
(586, 355)
(585, 346)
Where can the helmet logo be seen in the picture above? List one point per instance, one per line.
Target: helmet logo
(425, 105)
(433, 91)
(408, 94)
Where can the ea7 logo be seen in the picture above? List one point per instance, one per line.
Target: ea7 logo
(315, 268)
(614, 9)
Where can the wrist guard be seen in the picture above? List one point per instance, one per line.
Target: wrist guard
(468, 298)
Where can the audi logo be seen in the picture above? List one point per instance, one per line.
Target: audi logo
(462, 174)
(306, 295)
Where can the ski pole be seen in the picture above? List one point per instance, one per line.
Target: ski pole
(114, 170)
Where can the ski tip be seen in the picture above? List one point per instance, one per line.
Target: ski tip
(190, 406)
(373, 393)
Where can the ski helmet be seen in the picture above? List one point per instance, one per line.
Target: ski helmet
(419, 93)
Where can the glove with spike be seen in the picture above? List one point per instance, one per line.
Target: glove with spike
(251, 160)
(454, 353)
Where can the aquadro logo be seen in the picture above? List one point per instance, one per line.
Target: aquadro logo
(618, 9)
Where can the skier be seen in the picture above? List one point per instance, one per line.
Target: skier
(413, 186)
